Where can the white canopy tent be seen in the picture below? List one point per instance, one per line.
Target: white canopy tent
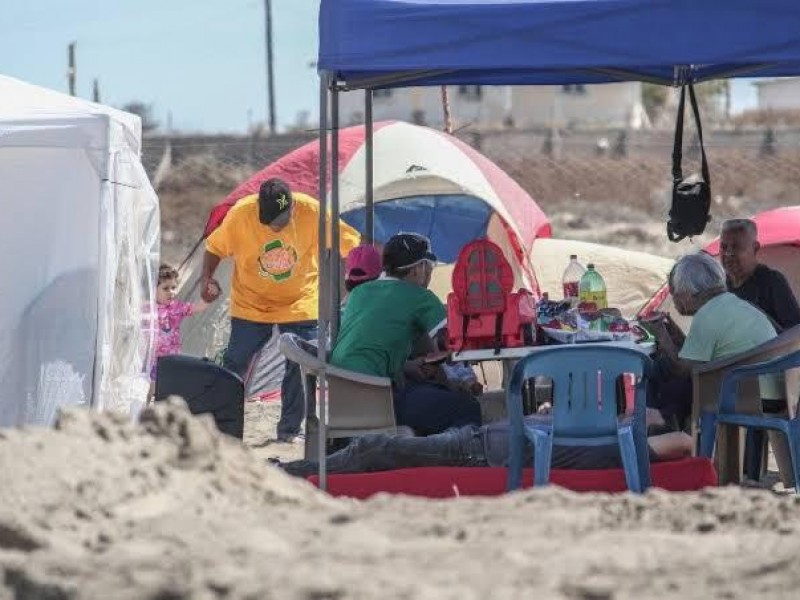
(80, 254)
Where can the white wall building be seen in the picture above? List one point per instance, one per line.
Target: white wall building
(607, 105)
(779, 94)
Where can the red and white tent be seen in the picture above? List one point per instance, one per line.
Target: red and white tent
(424, 181)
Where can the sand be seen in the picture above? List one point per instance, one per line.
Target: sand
(168, 509)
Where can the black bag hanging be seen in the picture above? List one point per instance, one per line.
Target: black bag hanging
(691, 197)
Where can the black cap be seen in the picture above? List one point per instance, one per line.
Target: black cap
(274, 199)
(406, 250)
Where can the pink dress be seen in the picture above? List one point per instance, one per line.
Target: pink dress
(170, 317)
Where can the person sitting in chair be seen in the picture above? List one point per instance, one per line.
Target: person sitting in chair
(472, 446)
(752, 281)
(380, 323)
(723, 325)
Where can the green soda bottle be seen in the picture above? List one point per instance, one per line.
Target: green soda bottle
(593, 288)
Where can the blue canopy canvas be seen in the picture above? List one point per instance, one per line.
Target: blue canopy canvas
(396, 43)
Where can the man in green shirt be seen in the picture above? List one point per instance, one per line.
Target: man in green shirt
(380, 324)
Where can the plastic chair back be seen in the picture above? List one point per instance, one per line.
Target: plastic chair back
(585, 385)
(357, 403)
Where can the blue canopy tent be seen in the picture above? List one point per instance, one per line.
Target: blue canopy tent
(372, 44)
(387, 43)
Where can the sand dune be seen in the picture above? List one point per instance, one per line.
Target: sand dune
(101, 508)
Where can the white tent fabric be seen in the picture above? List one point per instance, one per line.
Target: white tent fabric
(631, 277)
(80, 252)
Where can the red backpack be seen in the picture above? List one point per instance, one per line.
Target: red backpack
(482, 310)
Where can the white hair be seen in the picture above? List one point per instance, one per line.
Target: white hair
(747, 226)
(695, 274)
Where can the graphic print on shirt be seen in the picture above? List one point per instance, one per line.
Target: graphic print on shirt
(277, 260)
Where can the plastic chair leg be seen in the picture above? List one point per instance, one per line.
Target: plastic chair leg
(793, 437)
(754, 446)
(542, 458)
(516, 451)
(627, 450)
(708, 434)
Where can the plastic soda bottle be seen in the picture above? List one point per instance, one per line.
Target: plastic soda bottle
(593, 288)
(571, 280)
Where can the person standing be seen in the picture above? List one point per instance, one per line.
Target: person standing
(273, 240)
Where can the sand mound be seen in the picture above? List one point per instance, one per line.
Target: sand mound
(167, 509)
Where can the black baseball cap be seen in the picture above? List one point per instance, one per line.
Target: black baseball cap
(405, 250)
(274, 199)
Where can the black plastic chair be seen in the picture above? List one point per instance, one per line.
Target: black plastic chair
(206, 387)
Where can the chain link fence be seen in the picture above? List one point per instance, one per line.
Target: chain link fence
(605, 186)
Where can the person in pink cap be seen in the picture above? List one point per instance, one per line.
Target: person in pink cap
(363, 264)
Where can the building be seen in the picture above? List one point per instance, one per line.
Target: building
(779, 94)
(578, 106)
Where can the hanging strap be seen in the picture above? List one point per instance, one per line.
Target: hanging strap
(677, 150)
(498, 332)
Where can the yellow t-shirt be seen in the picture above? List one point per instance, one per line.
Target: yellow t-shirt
(276, 274)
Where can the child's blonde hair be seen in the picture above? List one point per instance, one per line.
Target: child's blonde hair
(166, 272)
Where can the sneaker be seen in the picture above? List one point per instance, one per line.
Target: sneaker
(292, 438)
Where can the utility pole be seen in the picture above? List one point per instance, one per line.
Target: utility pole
(270, 74)
(71, 69)
(96, 91)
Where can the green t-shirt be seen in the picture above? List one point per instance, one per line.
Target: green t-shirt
(379, 324)
(727, 325)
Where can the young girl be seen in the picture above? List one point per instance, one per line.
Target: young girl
(171, 313)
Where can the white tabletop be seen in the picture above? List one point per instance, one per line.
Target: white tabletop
(489, 354)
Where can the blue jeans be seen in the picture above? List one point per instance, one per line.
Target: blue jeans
(461, 447)
(249, 337)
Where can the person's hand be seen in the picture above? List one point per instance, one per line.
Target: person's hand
(659, 330)
(209, 289)
(413, 370)
(474, 387)
(674, 330)
(429, 371)
(654, 316)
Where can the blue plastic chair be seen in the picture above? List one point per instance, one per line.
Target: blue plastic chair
(584, 409)
(726, 410)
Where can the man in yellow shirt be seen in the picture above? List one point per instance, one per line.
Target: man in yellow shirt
(273, 240)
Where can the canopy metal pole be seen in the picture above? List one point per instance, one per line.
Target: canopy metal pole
(335, 270)
(324, 288)
(369, 227)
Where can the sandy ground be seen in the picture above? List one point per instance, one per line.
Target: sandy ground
(168, 510)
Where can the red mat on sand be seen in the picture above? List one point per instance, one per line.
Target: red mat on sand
(444, 482)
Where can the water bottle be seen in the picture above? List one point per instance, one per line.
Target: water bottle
(592, 288)
(572, 279)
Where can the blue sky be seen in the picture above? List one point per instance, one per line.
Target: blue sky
(203, 60)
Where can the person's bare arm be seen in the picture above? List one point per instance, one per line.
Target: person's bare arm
(672, 445)
(679, 366)
(209, 287)
(199, 306)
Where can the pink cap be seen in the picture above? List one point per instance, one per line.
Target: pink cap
(363, 263)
